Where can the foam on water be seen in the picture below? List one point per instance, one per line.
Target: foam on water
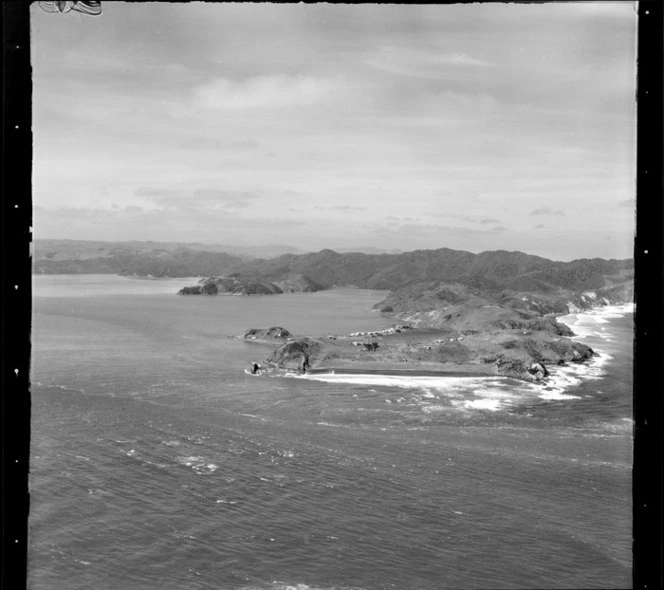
(589, 323)
(492, 394)
(563, 378)
(277, 585)
(408, 382)
(198, 464)
(436, 394)
(492, 405)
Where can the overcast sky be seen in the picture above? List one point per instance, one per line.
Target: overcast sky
(476, 127)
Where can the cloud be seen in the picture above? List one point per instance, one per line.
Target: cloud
(547, 211)
(133, 209)
(259, 92)
(497, 107)
(198, 199)
(202, 143)
(344, 208)
(221, 199)
(157, 192)
(477, 219)
(246, 144)
(540, 226)
(627, 203)
(417, 63)
(129, 223)
(419, 231)
(347, 208)
(402, 219)
(460, 59)
(609, 9)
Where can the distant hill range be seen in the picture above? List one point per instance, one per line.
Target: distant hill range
(81, 256)
(419, 280)
(69, 250)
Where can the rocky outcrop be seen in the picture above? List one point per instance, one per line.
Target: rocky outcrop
(538, 370)
(194, 290)
(527, 357)
(273, 334)
(295, 353)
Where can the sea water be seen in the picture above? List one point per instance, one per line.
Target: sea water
(156, 462)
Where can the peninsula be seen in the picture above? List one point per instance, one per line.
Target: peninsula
(492, 313)
(456, 313)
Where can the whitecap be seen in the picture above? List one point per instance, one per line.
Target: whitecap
(556, 395)
(493, 405)
(434, 408)
(423, 382)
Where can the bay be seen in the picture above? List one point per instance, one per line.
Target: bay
(156, 462)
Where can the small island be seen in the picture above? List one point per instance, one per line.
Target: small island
(237, 284)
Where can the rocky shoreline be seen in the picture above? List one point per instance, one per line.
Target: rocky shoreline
(415, 351)
(494, 313)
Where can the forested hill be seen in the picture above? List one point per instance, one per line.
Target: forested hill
(134, 261)
(495, 270)
(487, 271)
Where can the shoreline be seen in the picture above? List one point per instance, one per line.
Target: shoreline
(563, 377)
(558, 379)
(397, 372)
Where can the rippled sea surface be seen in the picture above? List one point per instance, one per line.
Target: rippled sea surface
(156, 462)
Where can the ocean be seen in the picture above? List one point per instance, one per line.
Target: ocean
(157, 463)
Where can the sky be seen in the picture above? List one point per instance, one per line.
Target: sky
(474, 127)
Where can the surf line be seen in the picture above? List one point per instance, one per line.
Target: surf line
(563, 378)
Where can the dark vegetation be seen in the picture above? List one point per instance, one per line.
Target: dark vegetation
(488, 272)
